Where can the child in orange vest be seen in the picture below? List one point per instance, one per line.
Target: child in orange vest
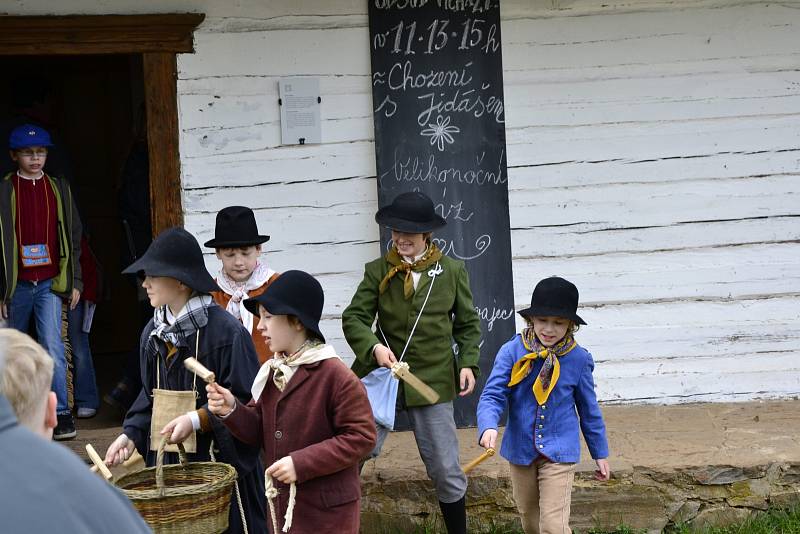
(244, 274)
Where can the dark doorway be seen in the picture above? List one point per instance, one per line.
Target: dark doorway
(93, 105)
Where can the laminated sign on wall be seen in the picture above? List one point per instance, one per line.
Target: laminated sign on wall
(300, 110)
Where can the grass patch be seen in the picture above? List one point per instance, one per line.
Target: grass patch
(770, 522)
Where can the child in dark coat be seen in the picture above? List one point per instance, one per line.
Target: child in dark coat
(186, 323)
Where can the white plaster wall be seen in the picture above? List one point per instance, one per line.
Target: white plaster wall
(654, 160)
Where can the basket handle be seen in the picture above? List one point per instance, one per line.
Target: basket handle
(160, 462)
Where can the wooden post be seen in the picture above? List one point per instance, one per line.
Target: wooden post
(161, 94)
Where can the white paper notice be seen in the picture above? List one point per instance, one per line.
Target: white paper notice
(300, 111)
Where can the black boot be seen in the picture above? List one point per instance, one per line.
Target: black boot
(455, 516)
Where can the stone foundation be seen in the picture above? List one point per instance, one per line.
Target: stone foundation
(640, 498)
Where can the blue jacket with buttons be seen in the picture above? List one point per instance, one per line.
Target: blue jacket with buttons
(552, 428)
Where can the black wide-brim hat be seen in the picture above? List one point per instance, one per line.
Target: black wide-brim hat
(236, 227)
(175, 253)
(293, 293)
(554, 297)
(411, 213)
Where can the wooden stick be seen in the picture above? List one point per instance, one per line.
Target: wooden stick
(126, 465)
(99, 464)
(400, 370)
(202, 371)
(474, 463)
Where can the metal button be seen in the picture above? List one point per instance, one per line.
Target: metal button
(541, 417)
(278, 434)
(540, 436)
(541, 446)
(544, 407)
(541, 426)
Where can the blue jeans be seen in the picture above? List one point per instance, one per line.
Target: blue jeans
(36, 299)
(85, 387)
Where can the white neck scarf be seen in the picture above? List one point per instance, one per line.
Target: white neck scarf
(285, 366)
(239, 292)
(31, 178)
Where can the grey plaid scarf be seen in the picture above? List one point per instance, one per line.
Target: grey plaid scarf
(189, 320)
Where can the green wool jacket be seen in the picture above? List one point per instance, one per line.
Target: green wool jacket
(448, 316)
(69, 239)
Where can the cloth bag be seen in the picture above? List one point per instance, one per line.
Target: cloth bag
(382, 392)
(167, 405)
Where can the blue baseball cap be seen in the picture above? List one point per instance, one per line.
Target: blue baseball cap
(28, 135)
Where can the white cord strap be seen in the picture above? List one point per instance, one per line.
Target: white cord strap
(236, 485)
(272, 493)
(433, 273)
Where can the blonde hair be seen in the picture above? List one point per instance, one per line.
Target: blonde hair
(26, 375)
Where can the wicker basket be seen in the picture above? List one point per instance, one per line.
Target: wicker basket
(189, 498)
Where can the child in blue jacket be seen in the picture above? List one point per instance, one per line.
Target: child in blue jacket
(545, 379)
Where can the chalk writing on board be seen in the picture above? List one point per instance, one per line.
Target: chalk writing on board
(474, 6)
(473, 172)
(490, 314)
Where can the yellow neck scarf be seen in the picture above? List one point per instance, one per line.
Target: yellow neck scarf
(431, 256)
(550, 371)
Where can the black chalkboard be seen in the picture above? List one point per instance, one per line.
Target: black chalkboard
(437, 88)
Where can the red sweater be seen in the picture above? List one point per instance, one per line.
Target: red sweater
(34, 199)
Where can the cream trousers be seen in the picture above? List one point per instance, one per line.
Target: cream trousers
(543, 492)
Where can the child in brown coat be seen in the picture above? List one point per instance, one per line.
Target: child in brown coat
(309, 413)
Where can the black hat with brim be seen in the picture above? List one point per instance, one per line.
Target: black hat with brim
(554, 297)
(411, 213)
(175, 253)
(293, 293)
(236, 227)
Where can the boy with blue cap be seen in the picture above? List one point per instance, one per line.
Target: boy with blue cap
(40, 239)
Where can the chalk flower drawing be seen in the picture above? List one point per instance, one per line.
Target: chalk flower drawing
(441, 132)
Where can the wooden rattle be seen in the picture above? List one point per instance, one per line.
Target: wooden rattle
(401, 370)
(200, 370)
(474, 463)
(99, 464)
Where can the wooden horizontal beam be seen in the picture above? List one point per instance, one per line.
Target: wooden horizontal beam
(98, 34)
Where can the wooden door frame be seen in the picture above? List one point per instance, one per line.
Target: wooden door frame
(158, 38)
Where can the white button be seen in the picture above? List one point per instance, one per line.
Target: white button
(540, 436)
(541, 426)
(541, 446)
(541, 417)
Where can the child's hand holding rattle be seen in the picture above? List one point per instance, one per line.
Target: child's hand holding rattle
(221, 402)
(489, 439)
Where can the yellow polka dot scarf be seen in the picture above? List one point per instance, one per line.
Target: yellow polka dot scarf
(550, 371)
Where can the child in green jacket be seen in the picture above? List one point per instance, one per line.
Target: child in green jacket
(423, 302)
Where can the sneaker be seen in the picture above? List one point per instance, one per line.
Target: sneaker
(86, 413)
(65, 428)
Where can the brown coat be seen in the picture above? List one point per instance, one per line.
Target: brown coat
(262, 349)
(323, 420)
